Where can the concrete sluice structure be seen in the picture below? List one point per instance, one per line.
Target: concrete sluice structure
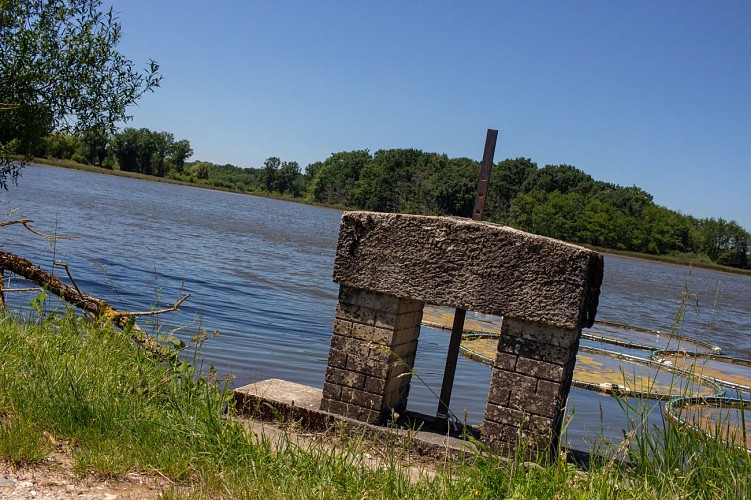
(389, 266)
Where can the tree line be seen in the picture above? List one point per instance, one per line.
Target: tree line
(559, 201)
(132, 150)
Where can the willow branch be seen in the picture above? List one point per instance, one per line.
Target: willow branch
(98, 308)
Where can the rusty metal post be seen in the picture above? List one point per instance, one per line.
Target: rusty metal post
(458, 327)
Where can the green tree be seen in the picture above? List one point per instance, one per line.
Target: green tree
(147, 152)
(60, 69)
(725, 242)
(62, 146)
(287, 178)
(562, 178)
(125, 146)
(181, 151)
(161, 148)
(97, 139)
(385, 182)
(630, 200)
(201, 170)
(506, 181)
(454, 186)
(269, 173)
(333, 181)
(603, 225)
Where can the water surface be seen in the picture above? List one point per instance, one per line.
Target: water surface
(259, 271)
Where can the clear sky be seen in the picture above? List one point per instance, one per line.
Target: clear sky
(649, 93)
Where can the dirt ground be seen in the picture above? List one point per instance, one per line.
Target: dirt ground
(55, 477)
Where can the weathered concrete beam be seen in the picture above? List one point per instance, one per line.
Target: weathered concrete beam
(473, 265)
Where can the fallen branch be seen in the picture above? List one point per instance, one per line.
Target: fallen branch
(67, 271)
(97, 308)
(25, 223)
(160, 311)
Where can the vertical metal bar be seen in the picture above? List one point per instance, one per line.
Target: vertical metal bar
(484, 181)
(457, 329)
(449, 371)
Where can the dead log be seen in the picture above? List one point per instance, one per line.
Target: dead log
(95, 307)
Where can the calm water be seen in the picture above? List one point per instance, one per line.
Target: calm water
(259, 272)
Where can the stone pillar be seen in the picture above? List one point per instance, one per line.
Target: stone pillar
(546, 289)
(372, 353)
(529, 384)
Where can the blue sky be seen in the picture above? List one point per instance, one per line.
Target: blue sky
(647, 93)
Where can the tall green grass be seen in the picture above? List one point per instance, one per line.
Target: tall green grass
(64, 378)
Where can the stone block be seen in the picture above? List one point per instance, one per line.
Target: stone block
(498, 394)
(369, 299)
(374, 385)
(409, 320)
(403, 351)
(385, 320)
(359, 314)
(516, 418)
(344, 378)
(554, 336)
(363, 332)
(369, 366)
(333, 406)
(361, 398)
(536, 349)
(409, 306)
(536, 404)
(539, 369)
(351, 346)
(474, 265)
(337, 358)
(506, 361)
(331, 391)
(550, 390)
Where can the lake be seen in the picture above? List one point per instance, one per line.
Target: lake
(259, 272)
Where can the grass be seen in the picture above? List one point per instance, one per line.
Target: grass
(64, 378)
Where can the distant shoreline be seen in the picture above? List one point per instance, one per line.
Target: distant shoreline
(684, 260)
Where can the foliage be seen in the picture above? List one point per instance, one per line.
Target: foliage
(60, 69)
(333, 180)
(559, 201)
(148, 152)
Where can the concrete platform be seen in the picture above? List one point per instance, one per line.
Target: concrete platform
(283, 401)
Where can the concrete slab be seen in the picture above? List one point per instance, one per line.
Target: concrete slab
(284, 401)
(284, 392)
